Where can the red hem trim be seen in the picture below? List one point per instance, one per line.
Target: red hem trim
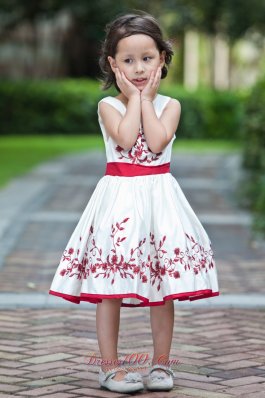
(97, 298)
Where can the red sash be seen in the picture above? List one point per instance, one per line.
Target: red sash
(130, 170)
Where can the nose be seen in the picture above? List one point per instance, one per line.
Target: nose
(139, 67)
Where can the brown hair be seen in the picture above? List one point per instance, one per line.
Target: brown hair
(124, 26)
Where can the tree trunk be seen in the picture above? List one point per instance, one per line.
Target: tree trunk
(191, 60)
(221, 63)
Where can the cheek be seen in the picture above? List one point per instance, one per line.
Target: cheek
(121, 67)
(150, 72)
(126, 72)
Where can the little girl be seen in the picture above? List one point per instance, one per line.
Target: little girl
(138, 242)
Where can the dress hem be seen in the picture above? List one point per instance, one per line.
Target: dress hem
(97, 298)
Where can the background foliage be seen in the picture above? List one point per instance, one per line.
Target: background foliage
(252, 189)
(231, 19)
(70, 106)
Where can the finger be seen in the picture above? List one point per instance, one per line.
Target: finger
(117, 73)
(120, 77)
(151, 78)
(127, 81)
(155, 79)
(158, 75)
(158, 72)
(123, 76)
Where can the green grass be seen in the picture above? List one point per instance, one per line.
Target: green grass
(19, 154)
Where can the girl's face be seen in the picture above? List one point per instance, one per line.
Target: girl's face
(137, 56)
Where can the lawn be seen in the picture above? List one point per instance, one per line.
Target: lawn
(19, 154)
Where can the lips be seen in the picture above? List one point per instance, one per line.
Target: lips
(139, 80)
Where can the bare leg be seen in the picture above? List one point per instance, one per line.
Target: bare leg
(108, 322)
(162, 324)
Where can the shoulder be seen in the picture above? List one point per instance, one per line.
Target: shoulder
(171, 105)
(105, 99)
(169, 102)
(108, 106)
(105, 102)
(101, 106)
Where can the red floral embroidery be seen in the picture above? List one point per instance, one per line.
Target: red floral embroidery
(113, 264)
(194, 259)
(140, 152)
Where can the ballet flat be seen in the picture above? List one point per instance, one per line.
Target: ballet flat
(131, 382)
(160, 381)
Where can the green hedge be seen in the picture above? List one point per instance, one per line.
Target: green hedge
(210, 114)
(70, 106)
(37, 107)
(253, 189)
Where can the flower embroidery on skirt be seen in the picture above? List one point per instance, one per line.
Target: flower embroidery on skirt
(92, 263)
(140, 152)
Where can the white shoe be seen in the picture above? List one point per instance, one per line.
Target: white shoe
(131, 382)
(160, 381)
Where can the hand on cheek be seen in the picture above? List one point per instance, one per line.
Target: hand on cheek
(127, 88)
(150, 90)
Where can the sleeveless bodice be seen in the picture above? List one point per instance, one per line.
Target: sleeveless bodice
(140, 152)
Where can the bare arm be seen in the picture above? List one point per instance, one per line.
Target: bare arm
(128, 129)
(123, 129)
(159, 132)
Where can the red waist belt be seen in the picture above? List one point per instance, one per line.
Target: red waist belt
(131, 170)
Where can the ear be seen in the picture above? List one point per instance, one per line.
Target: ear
(162, 58)
(112, 63)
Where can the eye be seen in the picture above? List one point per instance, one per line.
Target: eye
(148, 57)
(127, 60)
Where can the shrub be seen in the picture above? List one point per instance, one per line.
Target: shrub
(253, 159)
(210, 114)
(30, 107)
(70, 106)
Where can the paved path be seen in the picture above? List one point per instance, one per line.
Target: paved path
(45, 341)
(46, 353)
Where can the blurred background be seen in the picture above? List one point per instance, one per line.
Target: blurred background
(50, 81)
(52, 156)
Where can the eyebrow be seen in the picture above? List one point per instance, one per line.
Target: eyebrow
(131, 55)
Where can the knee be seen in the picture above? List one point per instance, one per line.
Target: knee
(112, 300)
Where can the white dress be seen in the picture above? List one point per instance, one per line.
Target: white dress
(138, 238)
